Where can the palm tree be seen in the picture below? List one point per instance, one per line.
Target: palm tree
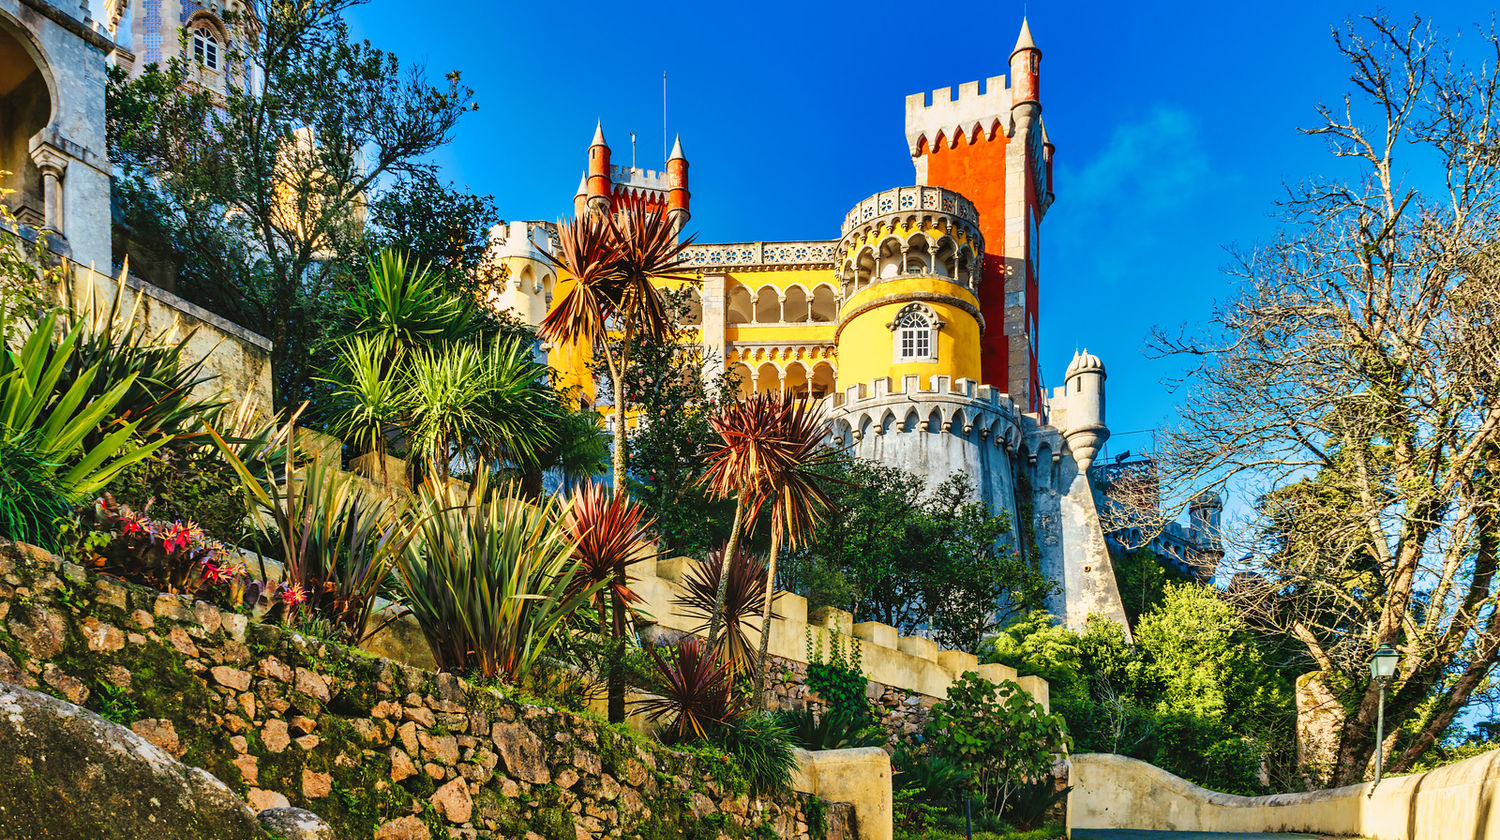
(771, 448)
(610, 533)
(614, 261)
(798, 500)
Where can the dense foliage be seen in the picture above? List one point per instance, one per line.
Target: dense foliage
(1194, 695)
(916, 560)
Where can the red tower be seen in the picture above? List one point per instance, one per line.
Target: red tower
(677, 186)
(599, 186)
(992, 148)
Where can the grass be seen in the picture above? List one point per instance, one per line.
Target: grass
(1045, 833)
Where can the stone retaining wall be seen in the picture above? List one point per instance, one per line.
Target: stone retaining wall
(376, 748)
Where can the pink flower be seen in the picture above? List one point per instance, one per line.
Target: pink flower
(293, 595)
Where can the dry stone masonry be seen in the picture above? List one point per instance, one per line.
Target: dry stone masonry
(375, 748)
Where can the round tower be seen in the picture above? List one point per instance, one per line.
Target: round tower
(598, 175)
(677, 187)
(581, 198)
(1084, 414)
(911, 262)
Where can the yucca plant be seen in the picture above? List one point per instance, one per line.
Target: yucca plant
(337, 542)
(490, 578)
(48, 415)
(372, 401)
(406, 304)
(614, 262)
(742, 604)
(769, 451)
(163, 398)
(762, 746)
(694, 694)
(610, 533)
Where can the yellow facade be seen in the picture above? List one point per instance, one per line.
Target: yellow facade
(813, 318)
(866, 343)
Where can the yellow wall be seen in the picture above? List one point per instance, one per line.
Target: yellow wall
(867, 346)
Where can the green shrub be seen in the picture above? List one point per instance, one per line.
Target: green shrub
(839, 680)
(763, 748)
(1001, 738)
(171, 485)
(831, 730)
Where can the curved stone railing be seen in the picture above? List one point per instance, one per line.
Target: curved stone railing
(1115, 792)
(904, 199)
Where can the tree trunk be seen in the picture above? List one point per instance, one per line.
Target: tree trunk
(714, 618)
(765, 622)
(617, 462)
(617, 651)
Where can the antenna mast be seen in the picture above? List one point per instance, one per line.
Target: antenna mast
(663, 117)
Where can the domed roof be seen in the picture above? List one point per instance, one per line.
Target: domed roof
(1084, 362)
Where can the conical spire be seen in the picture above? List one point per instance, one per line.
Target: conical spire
(677, 150)
(583, 184)
(599, 135)
(1024, 42)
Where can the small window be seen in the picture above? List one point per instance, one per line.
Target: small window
(205, 48)
(913, 335)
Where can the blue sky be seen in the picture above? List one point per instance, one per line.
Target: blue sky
(1175, 129)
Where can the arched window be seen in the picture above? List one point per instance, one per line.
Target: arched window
(205, 48)
(913, 331)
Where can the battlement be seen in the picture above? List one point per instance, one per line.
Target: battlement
(961, 406)
(640, 179)
(947, 117)
(522, 237)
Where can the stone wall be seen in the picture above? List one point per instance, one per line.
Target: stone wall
(1115, 792)
(374, 747)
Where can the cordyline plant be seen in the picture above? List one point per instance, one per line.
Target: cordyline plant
(769, 452)
(743, 602)
(490, 578)
(694, 692)
(610, 533)
(613, 261)
(339, 542)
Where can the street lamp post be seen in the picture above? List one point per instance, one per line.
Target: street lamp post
(1382, 668)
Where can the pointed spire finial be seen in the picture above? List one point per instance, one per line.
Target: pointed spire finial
(1024, 42)
(677, 150)
(599, 134)
(583, 184)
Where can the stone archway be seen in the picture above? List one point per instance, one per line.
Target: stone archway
(25, 110)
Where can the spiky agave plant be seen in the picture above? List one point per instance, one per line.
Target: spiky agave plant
(339, 542)
(489, 578)
(610, 533)
(50, 421)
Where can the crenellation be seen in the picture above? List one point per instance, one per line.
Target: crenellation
(947, 117)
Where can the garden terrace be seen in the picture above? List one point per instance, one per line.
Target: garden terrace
(374, 747)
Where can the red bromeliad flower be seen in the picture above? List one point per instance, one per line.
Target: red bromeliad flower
(179, 535)
(131, 526)
(293, 595)
(214, 573)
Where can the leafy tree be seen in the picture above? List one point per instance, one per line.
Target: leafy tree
(1001, 738)
(914, 560)
(439, 225)
(1361, 349)
(1143, 580)
(256, 197)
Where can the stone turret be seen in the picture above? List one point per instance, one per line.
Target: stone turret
(599, 186)
(677, 187)
(1085, 430)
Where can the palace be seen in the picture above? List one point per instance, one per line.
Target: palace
(915, 322)
(917, 325)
